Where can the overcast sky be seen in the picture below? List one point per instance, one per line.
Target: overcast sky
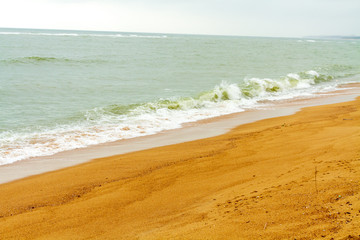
(283, 18)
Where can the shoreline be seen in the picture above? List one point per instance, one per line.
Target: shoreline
(295, 176)
(188, 132)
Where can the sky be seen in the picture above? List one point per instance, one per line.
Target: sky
(275, 18)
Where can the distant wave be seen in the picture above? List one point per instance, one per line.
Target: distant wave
(38, 59)
(43, 59)
(117, 35)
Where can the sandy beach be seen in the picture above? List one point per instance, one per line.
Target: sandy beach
(292, 177)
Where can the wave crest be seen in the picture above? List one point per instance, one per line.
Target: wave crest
(248, 91)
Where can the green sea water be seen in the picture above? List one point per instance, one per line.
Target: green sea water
(61, 90)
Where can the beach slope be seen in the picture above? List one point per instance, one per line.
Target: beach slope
(293, 177)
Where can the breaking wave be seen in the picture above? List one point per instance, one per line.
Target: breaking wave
(114, 122)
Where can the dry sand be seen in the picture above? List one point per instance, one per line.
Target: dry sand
(293, 177)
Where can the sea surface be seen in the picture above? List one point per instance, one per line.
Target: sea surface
(62, 90)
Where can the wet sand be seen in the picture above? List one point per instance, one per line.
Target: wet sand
(290, 177)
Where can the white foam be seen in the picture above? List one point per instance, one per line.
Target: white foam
(19, 146)
(10, 33)
(294, 76)
(313, 73)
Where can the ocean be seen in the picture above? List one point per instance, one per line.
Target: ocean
(63, 90)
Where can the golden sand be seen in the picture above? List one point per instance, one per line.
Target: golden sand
(293, 177)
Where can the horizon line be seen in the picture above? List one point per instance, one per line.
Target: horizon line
(118, 31)
(348, 36)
